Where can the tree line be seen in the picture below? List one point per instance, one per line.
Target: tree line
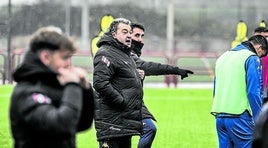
(27, 18)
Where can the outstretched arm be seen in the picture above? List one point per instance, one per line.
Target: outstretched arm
(153, 68)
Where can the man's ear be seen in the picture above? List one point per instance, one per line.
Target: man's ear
(114, 34)
(45, 57)
(260, 47)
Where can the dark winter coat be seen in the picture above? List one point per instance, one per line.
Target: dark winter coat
(42, 112)
(119, 91)
(152, 68)
(260, 131)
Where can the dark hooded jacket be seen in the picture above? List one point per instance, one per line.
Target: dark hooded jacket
(42, 112)
(119, 91)
(260, 130)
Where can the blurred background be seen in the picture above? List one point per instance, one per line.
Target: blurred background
(190, 33)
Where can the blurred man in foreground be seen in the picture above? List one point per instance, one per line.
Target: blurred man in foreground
(52, 100)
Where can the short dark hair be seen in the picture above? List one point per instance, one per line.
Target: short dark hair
(265, 30)
(259, 29)
(114, 24)
(137, 25)
(50, 38)
(259, 39)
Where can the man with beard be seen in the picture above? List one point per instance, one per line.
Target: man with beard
(264, 60)
(147, 69)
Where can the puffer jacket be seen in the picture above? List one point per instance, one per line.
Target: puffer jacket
(42, 112)
(151, 68)
(119, 91)
(260, 130)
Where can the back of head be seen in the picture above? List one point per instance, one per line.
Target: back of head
(50, 38)
(114, 24)
(259, 39)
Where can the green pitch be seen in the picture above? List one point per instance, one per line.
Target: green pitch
(183, 119)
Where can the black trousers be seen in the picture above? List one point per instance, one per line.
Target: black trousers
(119, 142)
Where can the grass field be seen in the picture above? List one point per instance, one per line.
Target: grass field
(183, 119)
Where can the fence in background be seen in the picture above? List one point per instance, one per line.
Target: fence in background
(3, 59)
(202, 63)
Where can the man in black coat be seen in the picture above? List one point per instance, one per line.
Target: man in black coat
(52, 100)
(149, 68)
(119, 88)
(260, 130)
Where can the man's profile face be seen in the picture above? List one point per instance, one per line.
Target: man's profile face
(137, 34)
(123, 34)
(260, 51)
(59, 59)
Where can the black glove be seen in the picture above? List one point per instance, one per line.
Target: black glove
(184, 73)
